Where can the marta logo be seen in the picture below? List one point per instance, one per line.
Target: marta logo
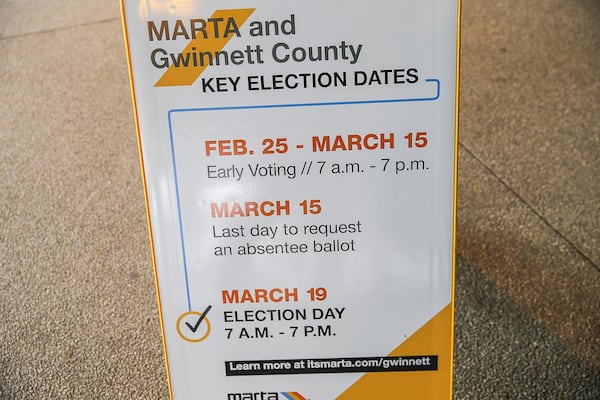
(266, 396)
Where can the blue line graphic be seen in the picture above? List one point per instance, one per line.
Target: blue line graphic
(185, 269)
(258, 107)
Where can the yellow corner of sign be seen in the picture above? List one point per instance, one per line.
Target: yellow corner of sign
(433, 338)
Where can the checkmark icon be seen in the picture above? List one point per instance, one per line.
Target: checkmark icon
(194, 327)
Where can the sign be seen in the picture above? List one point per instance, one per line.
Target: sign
(299, 162)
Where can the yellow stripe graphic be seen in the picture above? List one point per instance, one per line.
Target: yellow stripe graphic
(185, 76)
(435, 337)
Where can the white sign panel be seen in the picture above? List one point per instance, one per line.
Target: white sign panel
(299, 166)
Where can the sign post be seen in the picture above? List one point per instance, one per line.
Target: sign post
(299, 163)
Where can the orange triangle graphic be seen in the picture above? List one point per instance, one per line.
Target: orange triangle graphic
(433, 338)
